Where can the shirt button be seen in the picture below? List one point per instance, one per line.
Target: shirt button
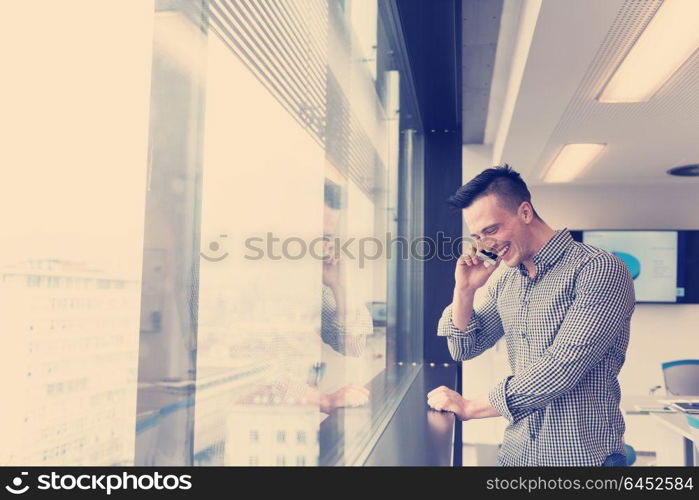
(523, 334)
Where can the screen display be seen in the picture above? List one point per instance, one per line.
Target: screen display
(651, 257)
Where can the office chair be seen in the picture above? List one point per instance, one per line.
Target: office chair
(630, 455)
(681, 377)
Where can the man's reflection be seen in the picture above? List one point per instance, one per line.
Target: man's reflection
(343, 328)
(285, 402)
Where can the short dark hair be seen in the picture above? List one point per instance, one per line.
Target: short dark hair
(500, 180)
(333, 195)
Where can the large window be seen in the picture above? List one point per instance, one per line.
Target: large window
(74, 155)
(213, 258)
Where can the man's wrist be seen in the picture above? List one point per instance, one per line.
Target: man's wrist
(461, 305)
(326, 403)
(479, 407)
(466, 410)
(464, 293)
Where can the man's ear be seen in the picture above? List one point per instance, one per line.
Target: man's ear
(526, 212)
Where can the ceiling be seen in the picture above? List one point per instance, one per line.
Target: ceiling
(553, 59)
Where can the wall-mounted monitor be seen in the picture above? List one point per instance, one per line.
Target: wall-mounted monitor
(664, 264)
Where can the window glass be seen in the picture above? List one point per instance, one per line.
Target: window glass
(75, 146)
(206, 279)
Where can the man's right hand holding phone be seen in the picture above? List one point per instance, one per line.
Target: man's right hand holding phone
(471, 273)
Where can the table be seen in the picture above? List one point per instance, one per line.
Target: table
(673, 436)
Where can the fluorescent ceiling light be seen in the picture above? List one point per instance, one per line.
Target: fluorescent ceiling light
(571, 161)
(670, 38)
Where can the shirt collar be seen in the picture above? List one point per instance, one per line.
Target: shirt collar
(550, 252)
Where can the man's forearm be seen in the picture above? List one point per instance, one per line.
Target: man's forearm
(480, 408)
(339, 294)
(462, 308)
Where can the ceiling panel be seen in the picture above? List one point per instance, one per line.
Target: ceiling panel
(575, 50)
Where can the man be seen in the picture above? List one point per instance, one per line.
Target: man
(345, 325)
(564, 310)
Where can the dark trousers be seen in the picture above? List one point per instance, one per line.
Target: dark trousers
(615, 460)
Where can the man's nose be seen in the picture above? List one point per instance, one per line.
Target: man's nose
(487, 244)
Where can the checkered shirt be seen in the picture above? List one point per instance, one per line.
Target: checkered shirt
(566, 330)
(346, 335)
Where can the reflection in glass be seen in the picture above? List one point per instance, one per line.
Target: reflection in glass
(179, 291)
(168, 329)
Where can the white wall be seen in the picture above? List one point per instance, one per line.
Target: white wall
(668, 206)
(659, 332)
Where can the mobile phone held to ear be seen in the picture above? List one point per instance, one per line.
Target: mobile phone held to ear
(488, 258)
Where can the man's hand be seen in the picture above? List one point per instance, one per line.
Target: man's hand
(350, 396)
(332, 271)
(444, 399)
(470, 273)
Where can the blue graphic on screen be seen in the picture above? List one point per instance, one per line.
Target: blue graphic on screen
(651, 257)
(631, 262)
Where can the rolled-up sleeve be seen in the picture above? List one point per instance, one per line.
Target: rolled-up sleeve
(597, 319)
(347, 335)
(482, 332)
(497, 397)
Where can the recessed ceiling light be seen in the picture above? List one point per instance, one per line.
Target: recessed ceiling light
(685, 171)
(571, 160)
(669, 39)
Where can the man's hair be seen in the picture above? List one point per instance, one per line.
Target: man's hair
(333, 195)
(502, 181)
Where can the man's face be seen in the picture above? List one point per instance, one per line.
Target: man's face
(495, 228)
(331, 218)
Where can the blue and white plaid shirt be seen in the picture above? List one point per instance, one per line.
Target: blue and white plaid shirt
(566, 331)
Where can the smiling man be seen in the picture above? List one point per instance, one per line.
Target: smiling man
(564, 309)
